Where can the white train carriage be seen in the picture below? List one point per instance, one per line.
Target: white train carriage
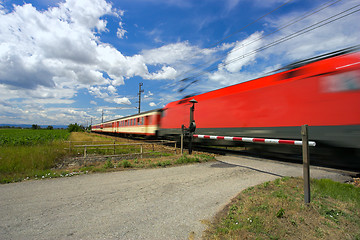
(146, 123)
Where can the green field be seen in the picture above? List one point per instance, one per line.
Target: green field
(25, 152)
(30, 137)
(33, 154)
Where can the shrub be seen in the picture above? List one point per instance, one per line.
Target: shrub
(108, 164)
(126, 164)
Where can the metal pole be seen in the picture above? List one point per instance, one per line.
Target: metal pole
(306, 163)
(182, 140)
(140, 91)
(114, 148)
(192, 108)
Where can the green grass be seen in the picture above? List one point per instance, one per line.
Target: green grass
(276, 210)
(23, 160)
(30, 137)
(27, 152)
(17, 162)
(325, 188)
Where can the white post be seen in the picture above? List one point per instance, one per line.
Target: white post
(141, 151)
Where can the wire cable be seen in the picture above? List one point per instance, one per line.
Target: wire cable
(302, 17)
(283, 39)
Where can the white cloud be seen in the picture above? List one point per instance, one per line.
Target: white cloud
(152, 104)
(123, 100)
(180, 51)
(236, 59)
(166, 72)
(121, 31)
(111, 89)
(148, 94)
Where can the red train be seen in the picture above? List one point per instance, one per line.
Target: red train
(323, 92)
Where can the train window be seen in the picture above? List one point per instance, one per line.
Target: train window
(149, 120)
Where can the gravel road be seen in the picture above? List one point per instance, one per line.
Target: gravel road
(166, 203)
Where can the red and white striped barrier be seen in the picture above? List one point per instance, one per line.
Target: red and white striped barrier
(254, 140)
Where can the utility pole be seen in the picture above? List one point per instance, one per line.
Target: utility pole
(140, 91)
(102, 115)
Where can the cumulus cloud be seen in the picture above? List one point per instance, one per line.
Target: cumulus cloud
(123, 100)
(179, 52)
(59, 49)
(121, 31)
(54, 48)
(166, 72)
(236, 58)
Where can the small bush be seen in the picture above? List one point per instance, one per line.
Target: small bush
(126, 164)
(108, 164)
(280, 213)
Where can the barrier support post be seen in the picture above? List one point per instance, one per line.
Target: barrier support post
(141, 151)
(182, 140)
(114, 148)
(306, 163)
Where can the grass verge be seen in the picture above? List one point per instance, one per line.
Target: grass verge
(18, 163)
(276, 210)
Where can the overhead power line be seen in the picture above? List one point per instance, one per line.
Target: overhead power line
(283, 39)
(295, 20)
(241, 29)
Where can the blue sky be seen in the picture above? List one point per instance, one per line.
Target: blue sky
(66, 61)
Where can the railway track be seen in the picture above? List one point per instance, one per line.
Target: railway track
(255, 151)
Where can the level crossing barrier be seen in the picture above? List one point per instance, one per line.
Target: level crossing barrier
(305, 143)
(255, 140)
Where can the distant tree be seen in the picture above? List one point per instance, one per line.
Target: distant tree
(75, 128)
(50, 127)
(35, 126)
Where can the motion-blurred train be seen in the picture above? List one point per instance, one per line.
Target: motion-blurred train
(322, 92)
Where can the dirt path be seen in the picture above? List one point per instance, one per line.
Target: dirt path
(167, 203)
